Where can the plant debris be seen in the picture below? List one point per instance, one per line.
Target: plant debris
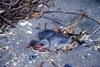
(13, 10)
(68, 33)
(72, 41)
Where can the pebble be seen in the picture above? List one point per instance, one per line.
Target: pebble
(67, 65)
(29, 24)
(1, 11)
(23, 23)
(32, 57)
(29, 32)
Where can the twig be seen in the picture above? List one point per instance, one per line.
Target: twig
(45, 25)
(6, 20)
(61, 12)
(19, 7)
(49, 18)
(10, 4)
(94, 32)
(92, 19)
(1, 11)
(16, 2)
(76, 21)
(52, 62)
(74, 14)
(3, 35)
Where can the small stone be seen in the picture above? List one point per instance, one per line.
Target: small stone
(67, 65)
(89, 54)
(29, 24)
(40, 5)
(1, 11)
(6, 47)
(83, 57)
(5, 66)
(97, 48)
(29, 32)
(14, 64)
(23, 23)
(10, 32)
(32, 57)
(17, 43)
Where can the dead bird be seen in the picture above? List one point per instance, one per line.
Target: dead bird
(54, 41)
(49, 40)
(51, 34)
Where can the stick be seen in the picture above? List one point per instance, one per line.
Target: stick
(49, 18)
(94, 32)
(74, 14)
(76, 21)
(45, 26)
(61, 12)
(55, 65)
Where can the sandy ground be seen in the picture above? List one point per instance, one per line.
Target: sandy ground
(15, 53)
